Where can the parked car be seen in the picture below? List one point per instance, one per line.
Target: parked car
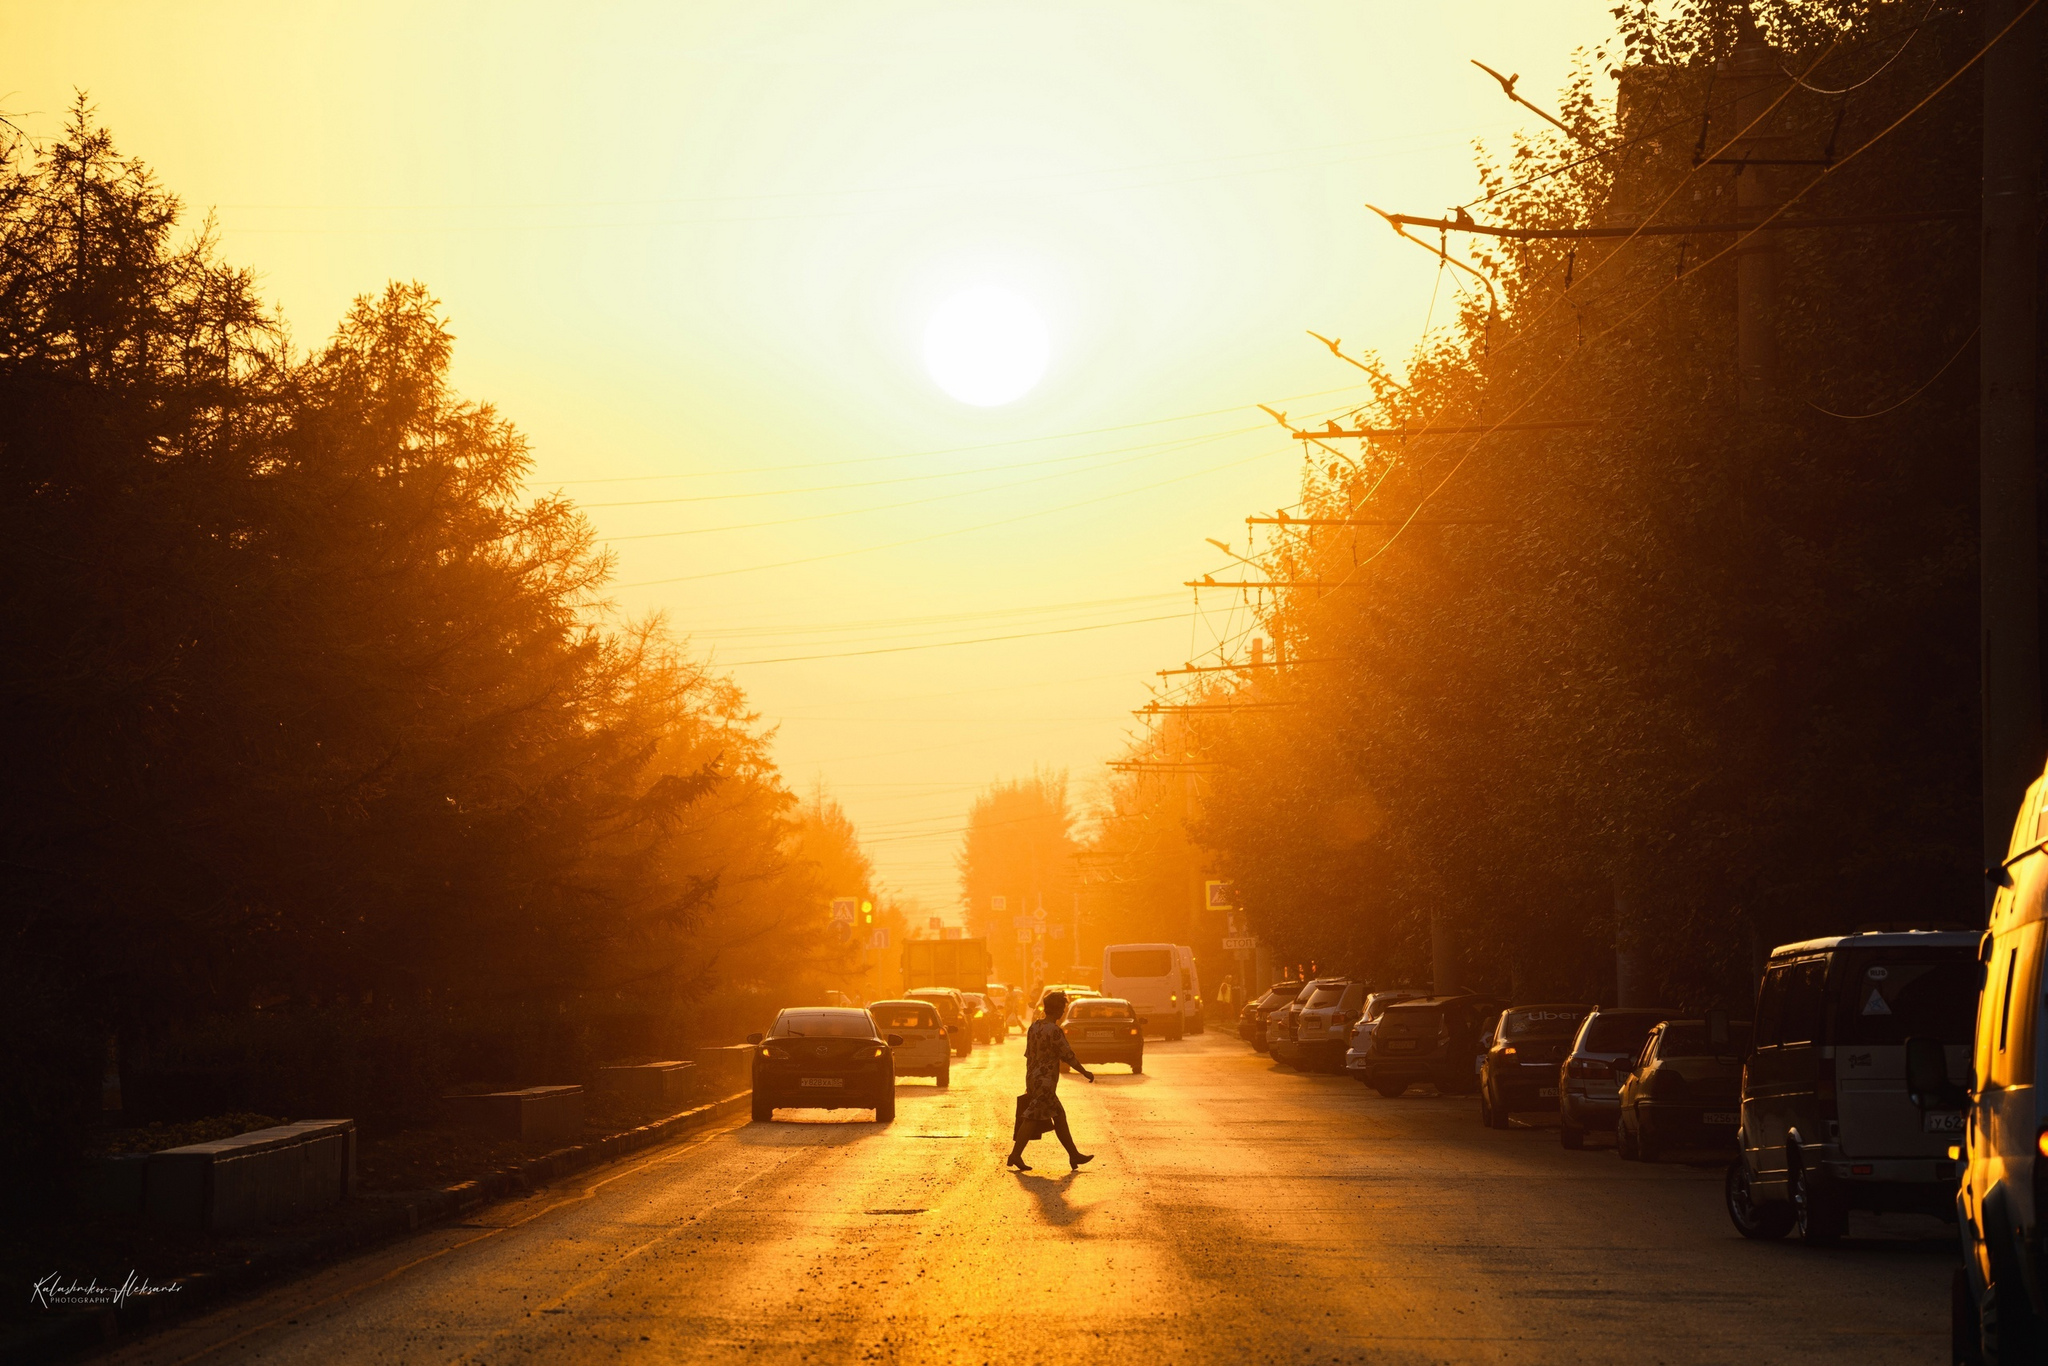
(951, 1003)
(1282, 1025)
(1106, 1029)
(1589, 1084)
(1435, 1039)
(823, 1057)
(926, 1049)
(1683, 1090)
(1323, 1025)
(1827, 1124)
(1376, 1004)
(1520, 1068)
(1999, 1308)
(1251, 1023)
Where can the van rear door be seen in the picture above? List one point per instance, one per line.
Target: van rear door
(1880, 997)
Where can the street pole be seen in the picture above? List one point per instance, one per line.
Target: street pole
(2008, 566)
(1754, 70)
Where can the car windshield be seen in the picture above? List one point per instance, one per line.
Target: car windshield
(1617, 1033)
(1328, 995)
(1101, 1010)
(1284, 992)
(825, 1024)
(1887, 996)
(1377, 1006)
(1140, 962)
(1545, 1022)
(945, 1005)
(900, 1016)
(1689, 1040)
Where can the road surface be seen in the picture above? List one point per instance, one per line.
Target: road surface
(1235, 1213)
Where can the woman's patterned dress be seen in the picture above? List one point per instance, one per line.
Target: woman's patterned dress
(1045, 1048)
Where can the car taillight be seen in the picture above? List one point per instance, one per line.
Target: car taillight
(1132, 1030)
(2041, 1143)
(1508, 1052)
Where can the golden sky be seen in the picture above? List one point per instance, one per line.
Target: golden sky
(692, 249)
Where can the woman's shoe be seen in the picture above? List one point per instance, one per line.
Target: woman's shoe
(1020, 1164)
(1080, 1159)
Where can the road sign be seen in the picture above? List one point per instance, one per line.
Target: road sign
(843, 908)
(1024, 934)
(1248, 942)
(998, 904)
(1219, 896)
(950, 932)
(1038, 916)
(937, 923)
(881, 937)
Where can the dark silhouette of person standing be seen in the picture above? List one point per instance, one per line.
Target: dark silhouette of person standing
(1039, 1108)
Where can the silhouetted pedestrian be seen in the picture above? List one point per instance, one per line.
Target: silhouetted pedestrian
(1039, 1108)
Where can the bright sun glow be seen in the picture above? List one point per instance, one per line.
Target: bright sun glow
(986, 346)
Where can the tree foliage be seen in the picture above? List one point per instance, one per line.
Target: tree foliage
(313, 714)
(1700, 678)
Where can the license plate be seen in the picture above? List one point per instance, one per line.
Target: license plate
(1942, 1122)
(1728, 1117)
(1548, 1093)
(1400, 1045)
(1101, 1034)
(824, 1081)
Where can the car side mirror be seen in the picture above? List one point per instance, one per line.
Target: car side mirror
(1144, 1020)
(894, 1040)
(952, 1029)
(1927, 1080)
(753, 1038)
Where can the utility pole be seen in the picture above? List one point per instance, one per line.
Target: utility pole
(2008, 565)
(1754, 69)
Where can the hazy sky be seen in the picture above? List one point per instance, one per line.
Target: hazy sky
(691, 249)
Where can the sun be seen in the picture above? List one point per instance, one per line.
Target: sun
(986, 346)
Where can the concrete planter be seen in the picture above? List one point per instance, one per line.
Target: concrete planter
(554, 1113)
(257, 1178)
(649, 1085)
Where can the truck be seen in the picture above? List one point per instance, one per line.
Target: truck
(962, 964)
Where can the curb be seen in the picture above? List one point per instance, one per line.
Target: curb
(69, 1337)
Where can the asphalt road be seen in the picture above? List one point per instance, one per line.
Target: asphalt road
(1235, 1213)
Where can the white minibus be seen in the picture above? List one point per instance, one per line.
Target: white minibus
(1150, 977)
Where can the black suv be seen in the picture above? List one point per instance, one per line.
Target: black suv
(1520, 1071)
(1435, 1039)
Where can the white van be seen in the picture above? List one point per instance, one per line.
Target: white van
(1151, 977)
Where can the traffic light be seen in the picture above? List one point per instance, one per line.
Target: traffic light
(867, 912)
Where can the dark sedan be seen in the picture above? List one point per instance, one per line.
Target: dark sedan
(825, 1058)
(1522, 1060)
(1251, 1021)
(1683, 1091)
(1106, 1029)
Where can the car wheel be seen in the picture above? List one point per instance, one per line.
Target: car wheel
(1571, 1136)
(946, 1073)
(885, 1106)
(1647, 1149)
(1137, 1064)
(1495, 1114)
(1753, 1218)
(764, 1108)
(1175, 1030)
(1817, 1217)
(1625, 1140)
(2008, 1331)
(1391, 1089)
